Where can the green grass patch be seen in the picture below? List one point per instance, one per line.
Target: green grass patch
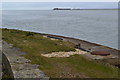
(35, 44)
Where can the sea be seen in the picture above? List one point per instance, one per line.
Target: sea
(96, 26)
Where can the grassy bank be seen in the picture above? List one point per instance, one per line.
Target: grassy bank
(35, 44)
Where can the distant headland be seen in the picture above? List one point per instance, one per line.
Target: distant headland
(62, 9)
(66, 9)
(81, 9)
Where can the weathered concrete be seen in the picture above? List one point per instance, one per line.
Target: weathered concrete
(21, 67)
(0, 58)
(6, 67)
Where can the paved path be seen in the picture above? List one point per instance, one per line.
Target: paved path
(21, 67)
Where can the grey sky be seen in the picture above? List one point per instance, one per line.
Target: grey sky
(50, 5)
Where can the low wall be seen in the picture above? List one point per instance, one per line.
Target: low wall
(6, 68)
(18, 67)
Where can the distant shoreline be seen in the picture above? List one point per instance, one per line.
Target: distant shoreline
(80, 9)
(55, 10)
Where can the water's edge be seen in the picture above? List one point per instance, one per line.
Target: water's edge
(87, 44)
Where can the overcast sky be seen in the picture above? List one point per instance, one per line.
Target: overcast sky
(50, 5)
(60, 0)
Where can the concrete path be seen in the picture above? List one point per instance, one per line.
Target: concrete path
(21, 67)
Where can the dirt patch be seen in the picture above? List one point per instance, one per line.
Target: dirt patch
(64, 54)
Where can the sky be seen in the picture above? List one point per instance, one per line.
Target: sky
(51, 5)
(60, 0)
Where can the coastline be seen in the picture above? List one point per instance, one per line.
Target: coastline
(89, 47)
(36, 44)
(84, 43)
(66, 37)
(72, 39)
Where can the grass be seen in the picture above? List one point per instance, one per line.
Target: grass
(75, 66)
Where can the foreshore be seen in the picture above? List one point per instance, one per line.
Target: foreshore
(86, 45)
(90, 47)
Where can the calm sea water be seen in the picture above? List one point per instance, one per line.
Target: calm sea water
(97, 26)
